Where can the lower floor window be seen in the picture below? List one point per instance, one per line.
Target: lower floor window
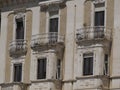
(58, 74)
(106, 64)
(88, 64)
(41, 68)
(17, 72)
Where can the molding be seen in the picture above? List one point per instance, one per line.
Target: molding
(46, 3)
(46, 80)
(92, 77)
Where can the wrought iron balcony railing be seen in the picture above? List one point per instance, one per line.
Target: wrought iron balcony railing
(93, 33)
(18, 48)
(46, 39)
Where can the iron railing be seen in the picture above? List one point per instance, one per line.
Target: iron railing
(93, 33)
(51, 38)
(18, 47)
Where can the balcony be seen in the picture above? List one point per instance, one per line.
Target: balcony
(18, 48)
(47, 41)
(93, 35)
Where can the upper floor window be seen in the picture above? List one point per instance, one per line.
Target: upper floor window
(41, 68)
(53, 21)
(99, 14)
(17, 72)
(19, 28)
(99, 18)
(88, 64)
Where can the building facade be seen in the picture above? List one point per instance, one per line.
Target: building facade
(59, 45)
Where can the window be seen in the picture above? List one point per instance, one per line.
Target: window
(99, 21)
(41, 68)
(53, 26)
(88, 64)
(106, 63)
(17, 72)
(58, 74)
(99, 18)
(19, 28)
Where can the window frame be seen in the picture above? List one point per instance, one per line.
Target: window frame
(15, 78)
(59, 66)
(37, 77)
(17, 16)
(50, 17)
(85, 56)
(97, 9)
(106, 61)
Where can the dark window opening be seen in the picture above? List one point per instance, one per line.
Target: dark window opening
(88, 65)
(99, 21)
(58, 74)
(17, 72)
(106, 64)
(19, 28)
(53, 29)
(41, 68)
(99, 18)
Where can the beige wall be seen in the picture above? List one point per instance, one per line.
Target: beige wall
(9, 38)
(110, 14)
(28, 37)
(110, 25)
(63, 19)
(43, 19)
(87, 13)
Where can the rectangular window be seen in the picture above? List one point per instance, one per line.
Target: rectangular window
(19, 28)
(53, 27)
(17, 72)
(58, 74)
(106, 63)
(41, 68)
(99, 18)
(88, 64)
(99, 21)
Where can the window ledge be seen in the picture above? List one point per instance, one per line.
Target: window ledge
(92, 76)
(50, 2)
(45, 80)
(72, 80)
(115, 77)
(14, 83)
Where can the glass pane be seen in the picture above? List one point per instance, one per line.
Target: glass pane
(99, 18)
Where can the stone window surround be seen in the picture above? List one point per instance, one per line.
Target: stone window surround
(54, 16)
(94, 9)
(17, 61)
(17, 16)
